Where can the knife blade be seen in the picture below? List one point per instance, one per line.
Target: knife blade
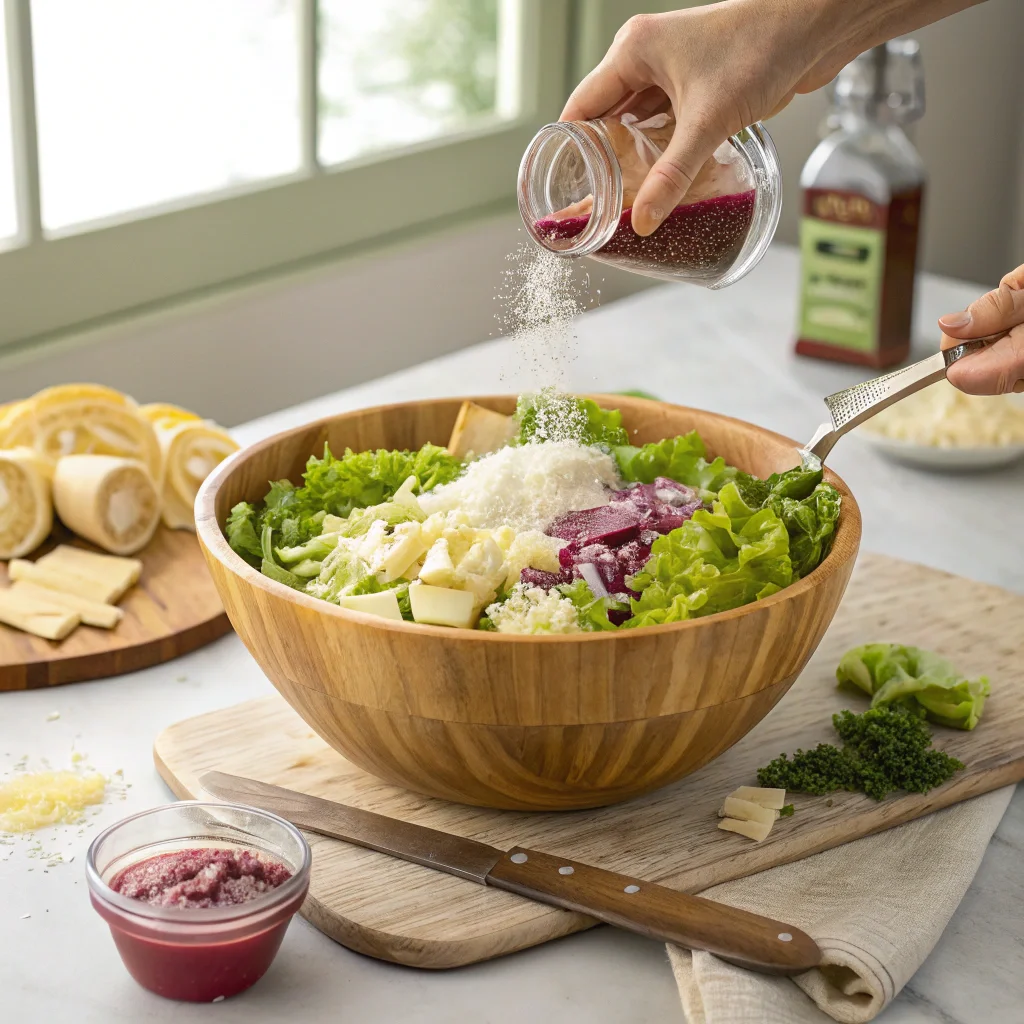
(748, 940)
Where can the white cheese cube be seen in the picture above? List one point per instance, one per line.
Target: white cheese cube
(384, 604)
(441, 606)
(438, 569)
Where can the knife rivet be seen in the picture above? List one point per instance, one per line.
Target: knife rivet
(631, 889)
(518, 858)
(567, 870)
(785, 937)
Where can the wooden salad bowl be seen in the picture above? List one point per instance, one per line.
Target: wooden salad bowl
(520, 722)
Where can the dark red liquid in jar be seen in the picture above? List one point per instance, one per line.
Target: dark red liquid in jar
(698, 240)
(195, 879)
(199, 959)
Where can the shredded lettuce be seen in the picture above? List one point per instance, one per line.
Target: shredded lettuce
(243, 534)
(712, 563)
(924, 683)
(549, 415)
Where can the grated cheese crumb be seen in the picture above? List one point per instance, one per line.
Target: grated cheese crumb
(535, 610)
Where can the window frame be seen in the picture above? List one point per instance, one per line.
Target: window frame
(55, 282)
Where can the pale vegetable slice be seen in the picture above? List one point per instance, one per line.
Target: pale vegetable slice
(746, 810)
(26, 505)
(479, 431)
(92, 613)
(438, 569)
(773, 798)
(111, 501)
(190, 448)
(58, 579)
(409, 546)
(45, 619)
(441, 606)
(756, 830)
(113, 569)
(74, 419)
(385, 604)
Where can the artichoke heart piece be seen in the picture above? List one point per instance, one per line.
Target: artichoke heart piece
(110, 501)
(26, 507)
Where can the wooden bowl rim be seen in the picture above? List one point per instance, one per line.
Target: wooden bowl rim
(211, 536)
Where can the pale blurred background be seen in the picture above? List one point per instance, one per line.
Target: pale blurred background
(237, 205)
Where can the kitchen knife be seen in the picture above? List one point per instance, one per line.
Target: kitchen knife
(745, 939)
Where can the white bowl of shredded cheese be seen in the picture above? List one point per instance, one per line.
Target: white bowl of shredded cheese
(942, 428)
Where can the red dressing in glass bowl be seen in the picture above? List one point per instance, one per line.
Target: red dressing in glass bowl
(197, 895)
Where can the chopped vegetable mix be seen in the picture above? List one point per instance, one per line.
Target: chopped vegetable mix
(679, 534)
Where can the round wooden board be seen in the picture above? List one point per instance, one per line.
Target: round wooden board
(172, 610)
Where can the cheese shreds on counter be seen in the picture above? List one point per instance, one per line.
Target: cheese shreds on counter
(35, 800)
(940, 416)
(527, 486)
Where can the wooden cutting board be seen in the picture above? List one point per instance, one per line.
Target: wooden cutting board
(412, 915)
(172, 610)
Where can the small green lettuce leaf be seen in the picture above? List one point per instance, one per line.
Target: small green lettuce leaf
(923, 682)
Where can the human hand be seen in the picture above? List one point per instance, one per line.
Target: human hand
(999, 368)
(720, 68)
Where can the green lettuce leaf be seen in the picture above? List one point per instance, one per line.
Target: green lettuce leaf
(549, 415)
(811, 523)
(243, 532)
(682, 458)
(923, 682)
(712, 563)
(592, 611)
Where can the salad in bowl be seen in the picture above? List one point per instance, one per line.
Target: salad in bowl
(548, 521)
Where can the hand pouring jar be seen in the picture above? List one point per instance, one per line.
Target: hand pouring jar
(578, 181)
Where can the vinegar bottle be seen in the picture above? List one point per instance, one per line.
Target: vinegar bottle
(862, 193)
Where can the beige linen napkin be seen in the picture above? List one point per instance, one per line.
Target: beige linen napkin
(876, 907)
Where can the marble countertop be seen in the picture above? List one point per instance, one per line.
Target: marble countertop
(727, 351)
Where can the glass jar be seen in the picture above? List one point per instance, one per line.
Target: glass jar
(207, 954)
(578, 180)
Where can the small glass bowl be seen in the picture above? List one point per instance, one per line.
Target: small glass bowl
(198, 955)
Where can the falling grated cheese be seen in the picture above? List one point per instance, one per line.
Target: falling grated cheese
(34, 800)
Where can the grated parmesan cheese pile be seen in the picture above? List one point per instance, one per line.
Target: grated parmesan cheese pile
(528, 486)
(33, 800)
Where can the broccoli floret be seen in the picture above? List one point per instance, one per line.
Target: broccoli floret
(884, 750)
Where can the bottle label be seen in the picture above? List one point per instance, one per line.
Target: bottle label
(842, 260)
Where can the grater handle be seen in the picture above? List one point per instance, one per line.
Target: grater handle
(852, 407)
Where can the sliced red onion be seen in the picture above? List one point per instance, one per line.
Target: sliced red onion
(593, 579)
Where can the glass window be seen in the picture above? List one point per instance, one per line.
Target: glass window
(8, 208)
(397, 72)
(141, 103)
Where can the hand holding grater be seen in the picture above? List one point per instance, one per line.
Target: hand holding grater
(850, 408)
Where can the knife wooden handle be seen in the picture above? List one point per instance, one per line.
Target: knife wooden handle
(748, 940)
